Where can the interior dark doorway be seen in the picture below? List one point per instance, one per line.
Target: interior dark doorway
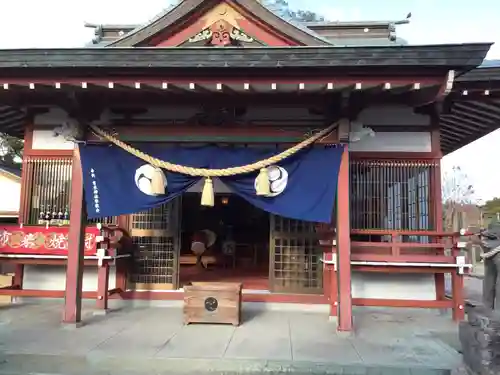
(236, 236)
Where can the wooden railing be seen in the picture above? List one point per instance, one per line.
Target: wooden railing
(388, 252)
(392, 248)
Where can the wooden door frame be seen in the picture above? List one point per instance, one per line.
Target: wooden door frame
(174, 233)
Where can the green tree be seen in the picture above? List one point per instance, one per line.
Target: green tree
(11, 149)
(492, 206)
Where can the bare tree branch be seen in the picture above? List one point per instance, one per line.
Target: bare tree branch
(456, 192)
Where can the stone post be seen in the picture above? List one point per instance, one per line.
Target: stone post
(480, 339)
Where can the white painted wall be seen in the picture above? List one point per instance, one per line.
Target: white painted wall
(394, 142)
(44, 139)
(43, 277)
(10, 194)
(393, 286)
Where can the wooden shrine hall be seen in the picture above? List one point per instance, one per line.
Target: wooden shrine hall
(237, 76)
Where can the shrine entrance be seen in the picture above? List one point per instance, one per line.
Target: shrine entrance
(237, 247)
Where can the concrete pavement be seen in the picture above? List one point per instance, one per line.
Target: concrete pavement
(154, 340)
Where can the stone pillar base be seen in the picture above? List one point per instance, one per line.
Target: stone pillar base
(480, 339)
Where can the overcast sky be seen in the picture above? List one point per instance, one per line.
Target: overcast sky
(59, 23)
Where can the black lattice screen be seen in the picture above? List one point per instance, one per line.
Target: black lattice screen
(295, 257)
(155, 260)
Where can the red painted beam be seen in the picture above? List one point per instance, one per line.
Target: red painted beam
(398, 269)
(388, 232)
(375, 302)
(421, 258)
(323, 79)
(41, 293)
(405, 245)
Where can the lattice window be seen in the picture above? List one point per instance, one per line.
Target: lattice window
(295, 260)
(156, 218)
(390, 194)
(49, 192)
(155, 262)
(108, 220)
(49, 196)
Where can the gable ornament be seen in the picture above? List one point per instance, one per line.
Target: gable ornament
(221, 33)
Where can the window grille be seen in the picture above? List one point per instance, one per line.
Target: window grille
(48, 183)
(391, 194)
(295, 257)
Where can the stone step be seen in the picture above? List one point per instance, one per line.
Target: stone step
(33, 364)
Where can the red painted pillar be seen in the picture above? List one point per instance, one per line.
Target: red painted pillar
(436, 199)
(102, 286)
(333, 289)
(76, 241)
(344, 246)
(122, 265)
(457, 287)
(438, 220)
(19, 276)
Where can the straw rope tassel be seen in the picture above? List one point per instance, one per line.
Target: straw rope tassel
(158, 182)
(262, 184)
(207, 194)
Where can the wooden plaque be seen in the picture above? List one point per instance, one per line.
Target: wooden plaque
(212, 303)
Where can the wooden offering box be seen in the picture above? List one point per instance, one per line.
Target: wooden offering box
(212, 303)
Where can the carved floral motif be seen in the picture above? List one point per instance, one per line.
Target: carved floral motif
(202, 35)
(239, 35)
(221, 33)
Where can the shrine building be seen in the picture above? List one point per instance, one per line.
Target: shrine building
(303, 159)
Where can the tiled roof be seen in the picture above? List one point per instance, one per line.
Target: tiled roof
(280, 11)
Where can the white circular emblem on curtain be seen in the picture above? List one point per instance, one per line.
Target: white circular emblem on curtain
(278, 180)
(144, 178)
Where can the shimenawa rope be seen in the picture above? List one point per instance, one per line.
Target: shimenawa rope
(262, 185)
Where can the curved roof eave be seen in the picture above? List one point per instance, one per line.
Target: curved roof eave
(160, 15)
(301, 31)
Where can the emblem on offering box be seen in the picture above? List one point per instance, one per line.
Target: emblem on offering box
(37, 240)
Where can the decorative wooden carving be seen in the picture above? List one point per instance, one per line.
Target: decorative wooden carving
(237, 34)
(202, 35)
(221, 33)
